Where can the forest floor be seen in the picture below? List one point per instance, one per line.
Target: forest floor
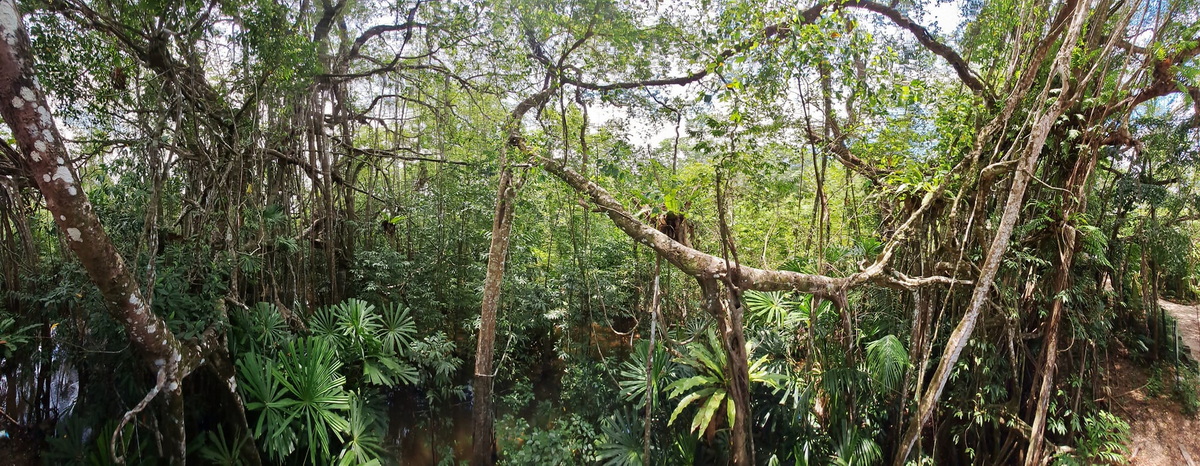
(1160, 433)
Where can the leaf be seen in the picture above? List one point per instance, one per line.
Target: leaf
(705, 414)
(887, 361)
(687, 400)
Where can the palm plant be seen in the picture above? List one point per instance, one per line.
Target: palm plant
(782, 310)
(709, 385)
(363, 445)
(397, 329)
(309, 372)
(887, 361)
(769, 308)
(857, 447)
(264, 393)
(299, 398)
(260, 329)
(633, 381)
(357, 323)
(368, 340)
(621, 441)
(217, 450)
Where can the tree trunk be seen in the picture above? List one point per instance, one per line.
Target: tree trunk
(42, 149)
(1012, 209)
(1073, 201)
(484, 446)
(737, 370)
(483, 450)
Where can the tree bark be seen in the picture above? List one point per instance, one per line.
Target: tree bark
(25, 110)
(484, 445)
(1012, 209)
(483, 449)
(733, 340)
(1073, 201)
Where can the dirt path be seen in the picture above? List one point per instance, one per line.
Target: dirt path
(1160, 434)
(1189, 324)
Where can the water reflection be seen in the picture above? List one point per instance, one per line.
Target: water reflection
(39, 390)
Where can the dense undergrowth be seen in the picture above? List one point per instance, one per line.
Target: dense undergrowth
(851, 238)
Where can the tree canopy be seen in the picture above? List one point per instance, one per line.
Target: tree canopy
(592, 231)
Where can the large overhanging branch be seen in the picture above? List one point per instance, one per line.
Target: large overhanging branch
(702, 265)
(374, 31)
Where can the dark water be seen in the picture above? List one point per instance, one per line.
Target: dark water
(421, 434)
(33, 394)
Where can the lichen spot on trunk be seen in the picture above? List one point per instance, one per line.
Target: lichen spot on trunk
(63, 173)
(10, 21)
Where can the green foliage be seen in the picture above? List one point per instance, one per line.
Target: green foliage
(887, 362)
(364, 443)
(298, 389)
(14, 337)
(1187, 391)
(371, 341)
(292, 170)
(260, 329)
(707, 384)
(621, 440)
(79, 443)
(632, 375)
(264, 394)
(569, 440)
(308, 371)
(857, 448)
(769, 308)
(1103, 440)
(217, 450)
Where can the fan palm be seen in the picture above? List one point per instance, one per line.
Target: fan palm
(633, 381)
(309, 373)
(621, 444)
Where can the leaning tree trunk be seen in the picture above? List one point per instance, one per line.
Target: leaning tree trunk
(1012, 209)
(42, 150)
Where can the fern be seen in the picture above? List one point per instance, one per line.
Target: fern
(1095, 244)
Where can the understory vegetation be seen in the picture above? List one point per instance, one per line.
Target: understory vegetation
(246, 232)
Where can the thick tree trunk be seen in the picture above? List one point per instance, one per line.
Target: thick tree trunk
(24, 109)
(484, 446)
